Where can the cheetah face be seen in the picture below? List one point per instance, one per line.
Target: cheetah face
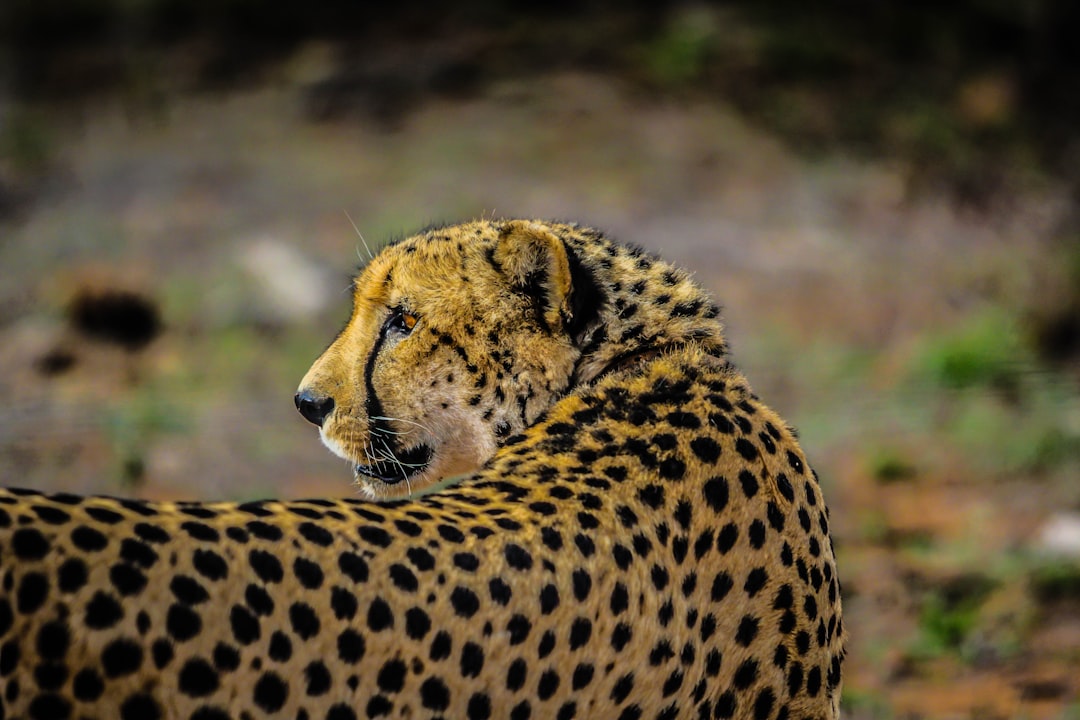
(456, 341)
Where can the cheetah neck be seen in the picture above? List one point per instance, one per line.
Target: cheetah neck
(648, 307)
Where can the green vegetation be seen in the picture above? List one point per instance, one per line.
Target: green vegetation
(948, 615)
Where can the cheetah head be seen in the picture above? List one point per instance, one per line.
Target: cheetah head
(458, 338)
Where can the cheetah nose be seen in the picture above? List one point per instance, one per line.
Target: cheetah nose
(313, 407)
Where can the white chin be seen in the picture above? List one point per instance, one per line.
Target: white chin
(332, 446)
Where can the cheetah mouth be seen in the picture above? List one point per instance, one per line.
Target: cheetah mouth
(401, 467)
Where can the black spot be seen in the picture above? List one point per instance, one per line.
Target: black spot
(547, 644)
(53, 638)
(71, 575)
(672, 468)
(245, 627)
(721, 586)
(748, 629)
(103, 612)
(162, 652)
(380, 616)
(51, 515)
(280, 649)
(32, 592)
(9, 658)
(200, 531)
(375, 536)
(620, 636)
(317, 677)
(813, 681)
(467, 561)
(341, 711)
(109, 517)
(776, 518)
(308, 573)
(580, 632)
(87, 686)
(749, 483)
(622, 688)
(441, 646)
(264, 531)
(268, 568)
(585, 545)
(727, 537)
(304, 621)
(549, 599)
(198, 678)
(516, 674)
(50, 675)
(479, 707)
(434, 694)
(351, 646)
(188, 591)
(258, 600)
(343, 603)
(518, 628)
(746, 448)
(659, 577)
(417, 623)
(377, 706)
(151, 533)
(138, 553)
(672, 684)
(419, 557)
(756, 534)
(270, 692)
(48, 706)
(716, 493)
(226, 657)
(500, 591)
(465, 602)
(745, 674)
(315, 534)
(517, 557)
(210, 565)
(182, 623)
(472, 660)
(121, 657)
(549, 683)
(755, 580)
(29, 544)
(451, 534)
(88, 539)
(804, 519)
(127, 579)
(582, 584)
(795, 678)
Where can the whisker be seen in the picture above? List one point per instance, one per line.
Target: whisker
(371, 255)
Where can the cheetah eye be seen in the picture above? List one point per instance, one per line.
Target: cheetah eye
(400, 321)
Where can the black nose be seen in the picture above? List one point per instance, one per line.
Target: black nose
(313, 407)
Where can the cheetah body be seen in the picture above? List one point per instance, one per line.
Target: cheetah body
(637, 535)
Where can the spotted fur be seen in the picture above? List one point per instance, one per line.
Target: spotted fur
(637, 535)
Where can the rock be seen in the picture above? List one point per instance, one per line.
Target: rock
(1060, 535)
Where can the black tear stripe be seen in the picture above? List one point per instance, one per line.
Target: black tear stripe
(374, 406)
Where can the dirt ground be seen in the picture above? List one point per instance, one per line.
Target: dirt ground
(232, 217)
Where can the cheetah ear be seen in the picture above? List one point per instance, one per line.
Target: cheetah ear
(536, 264)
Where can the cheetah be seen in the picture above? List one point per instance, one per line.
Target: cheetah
(574, 507)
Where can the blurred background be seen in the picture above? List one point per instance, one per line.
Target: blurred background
(884, 196)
